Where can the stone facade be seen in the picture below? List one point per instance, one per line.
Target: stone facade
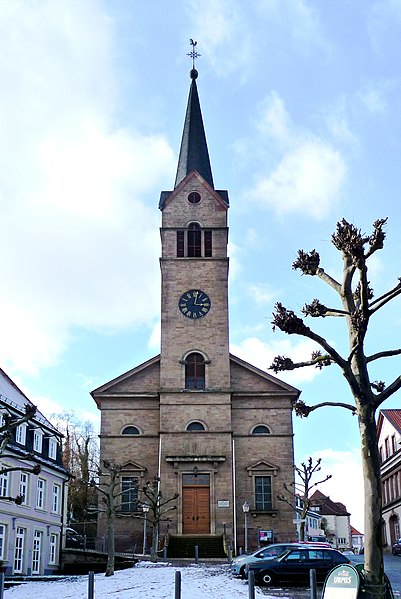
(217, 442)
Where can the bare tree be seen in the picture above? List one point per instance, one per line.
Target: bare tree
(10, 423)
(108, 486)
(158, 509)
(80, 456)
(303, 489)
(357, 307)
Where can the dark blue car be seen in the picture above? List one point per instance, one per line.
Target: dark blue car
(294, 566)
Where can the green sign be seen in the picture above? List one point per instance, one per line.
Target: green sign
(341, 583)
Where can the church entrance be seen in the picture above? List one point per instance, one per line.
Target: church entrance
(195, 504)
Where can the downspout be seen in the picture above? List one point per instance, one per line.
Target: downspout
(234, 502)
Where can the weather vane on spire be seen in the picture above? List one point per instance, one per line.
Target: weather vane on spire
(193, 54)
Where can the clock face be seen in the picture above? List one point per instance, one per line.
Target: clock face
(194, 303)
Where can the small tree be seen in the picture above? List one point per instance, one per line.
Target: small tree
(10, 423)
(302, 489)
(357, 307)
(109, 488)
(157, 509)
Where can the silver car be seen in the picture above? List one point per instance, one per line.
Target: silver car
(239, 563)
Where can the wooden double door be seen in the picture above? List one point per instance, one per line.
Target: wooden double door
(196, 504)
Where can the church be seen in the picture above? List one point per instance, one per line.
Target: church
(214, 429)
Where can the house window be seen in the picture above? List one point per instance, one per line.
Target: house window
(37, 440)
(393, 444)
(36, 551)
(3, 540)
(195, 426)
(52, 448)
(20, 434)
(4, 480)
(40, 494)
(23, 487)
(261, 429)
(263, 493)
(129, 496)
(387, 446)
(194, 240)
(56, 499)
(19, 550)
(53, 545)
(195, 371)
(130, 430)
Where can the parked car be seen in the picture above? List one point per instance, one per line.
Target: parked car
(239, 563)
(396, 550)
(73, 540)
(294, 565)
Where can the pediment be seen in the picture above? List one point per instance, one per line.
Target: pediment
(143, 379)
(220, 197)
(263, 466)
(134, 467)
(245, 377)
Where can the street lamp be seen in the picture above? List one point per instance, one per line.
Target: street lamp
(245, 509)
(145, 509)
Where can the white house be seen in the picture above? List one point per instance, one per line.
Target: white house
(30, 533)
(312, 521)
(389, 441)
(338, 529)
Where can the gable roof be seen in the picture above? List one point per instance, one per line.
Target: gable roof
(327, 506)
(393, 416)
(12, 396)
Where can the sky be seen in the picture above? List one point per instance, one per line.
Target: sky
(300, 101)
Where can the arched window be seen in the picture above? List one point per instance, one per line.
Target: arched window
(261, 429)
(195, 371)
(130, 430)
(194, 240)
(195, 426)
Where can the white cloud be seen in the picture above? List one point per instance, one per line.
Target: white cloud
(308, 180)
(221, 24)
(261, 293)
(262, 354)
(73, 186)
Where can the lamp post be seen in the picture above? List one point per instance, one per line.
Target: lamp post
(245, 509)
(145, 509)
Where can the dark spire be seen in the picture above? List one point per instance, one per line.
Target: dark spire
(194, 154)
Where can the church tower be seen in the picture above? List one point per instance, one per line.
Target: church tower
(194, 364)
(215, 430)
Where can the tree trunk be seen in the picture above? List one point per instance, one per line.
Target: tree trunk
(110, 546)
(155, 540)
(373, 556)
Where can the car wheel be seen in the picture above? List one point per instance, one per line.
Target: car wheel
(242, 572)
(267, 578)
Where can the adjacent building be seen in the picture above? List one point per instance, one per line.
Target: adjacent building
(337, 520)
(213, 428)
(389, 441)
(30, 533)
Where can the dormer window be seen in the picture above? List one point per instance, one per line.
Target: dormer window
(37, 440)
(52, 448)
(20, 434)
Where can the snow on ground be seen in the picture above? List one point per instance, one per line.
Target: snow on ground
(155, 581)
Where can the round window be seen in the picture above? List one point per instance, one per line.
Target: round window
(194, 197)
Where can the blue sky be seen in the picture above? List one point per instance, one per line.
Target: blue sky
(301, 106)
